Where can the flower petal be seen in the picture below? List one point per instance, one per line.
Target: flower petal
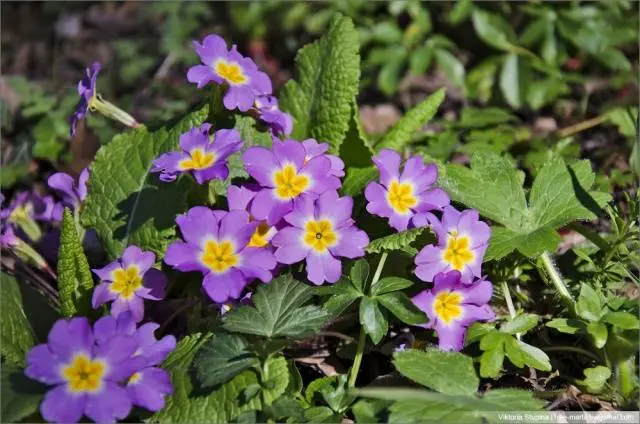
(62, 407)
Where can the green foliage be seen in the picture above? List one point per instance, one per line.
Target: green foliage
(21, 396)
(16, 334)
(75, 282)
(221, 358)
(395, 241)
(372, 320)
(321, 100)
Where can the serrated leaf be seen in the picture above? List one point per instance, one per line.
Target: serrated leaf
(221, 358)
(588, 305)
(128, 205)
(16, 333)
(395, 241)
(403, 130)
(357, 179)
(491, 362)
(21, 395)
(187, 405)
(445, 372)
(372, 320)
(402, 308)
(328, 73)
(75, 282)
(568, 326)
(390, 284)
(275, 378)
(623, 320)
(278, 311)
(520, 324)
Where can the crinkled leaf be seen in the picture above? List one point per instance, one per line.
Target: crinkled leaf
(278, 311)
(446, 372)
(16, 334)
(401, 306)
(21, 395)
(328, 73)
(221, 358)
(373, 320)
(395, 241)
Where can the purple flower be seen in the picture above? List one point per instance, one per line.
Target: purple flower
(314, 149)
(72, 195)
(322, 231)
(284, 176)
(8, 238)
(239, 199)
(281, 123)
(86, 376)
(452, 306)
(128, 281)
(462, 241)
(404, 198)
(26, 206)
(217, 244)
(86, 90)
(240, 74)
(205, 159)
(148, 385)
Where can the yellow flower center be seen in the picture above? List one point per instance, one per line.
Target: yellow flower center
(21, 213)
(457, 253)
(231, 72)
(135, 378)
(319, 235)
(84, 375)
(199, 160)
(447, 306)
(401, 197)
(259, 237)
(219, 257)
(126, 281)
(289, 184)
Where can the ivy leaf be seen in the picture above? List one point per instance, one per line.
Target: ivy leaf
(16, 333)
(188, 405)
(221, 358)
(520, 324)
(75, 282)
(278, 311)
(21, 395)
(401, 133)
(390, 284)
(401, 306)
(275, 378)
(373, 321)
(446, 372)
(395, 241)
(328, 72)
(128, 205)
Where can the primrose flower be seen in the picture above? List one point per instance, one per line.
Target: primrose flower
(314, 149)
(87, 92)
(404, 198)
(269, 112)
(86, 376)
(217, 244)
(72, 195)
(240, 74)
(452, 306)
(322, 231)
(462, 242)
(128, 281)
(285, 175)
(205, 159)
(148, 385)
(25, 209)
(239, 198)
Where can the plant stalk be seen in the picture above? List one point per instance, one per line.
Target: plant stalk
(626, 379)
(358, 358)
(510, 307)
(376, 275)
(557, 281)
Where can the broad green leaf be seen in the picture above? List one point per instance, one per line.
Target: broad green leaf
(21, 396)
(395, 241)
(460, 11)
(599, 333)
(128, 205)
(491, 362)
(534, 357)
(494, 30)
(401, 306)
(514, 80)
(360, 274)
(373, 320)
(278, 311)
(285, 407)
(450, 373)
(589, 306)
(451, 67)
(16, 334)
(513, 352)
(520, 324)
(75, 282)
(188, 405)
(596, 378)
(623, 320)
(357, 179)
(390, 284)
(222, 358)
(568, 326)
(275, 378)
(493, 339)
(341, 295)
(321, 414)
(328, 72)
(412, 121)
(369, 411)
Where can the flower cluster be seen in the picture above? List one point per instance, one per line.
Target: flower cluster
(100, 372)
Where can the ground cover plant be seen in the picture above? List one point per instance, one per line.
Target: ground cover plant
(261, 257)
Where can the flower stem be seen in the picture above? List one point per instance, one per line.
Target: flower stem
(626, 379)
(376, 275)
(112, 111)
(507, 298)
(358, 358)
(556, 279)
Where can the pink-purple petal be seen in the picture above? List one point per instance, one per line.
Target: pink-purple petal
(60, 406)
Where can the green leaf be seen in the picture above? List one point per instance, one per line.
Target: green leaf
(450, 373)
(389, 74)
(275, 376)
(285, 407)
(491, 362)
(75, 282)
(369, 411)
(412, 121)
(494, 30)
(460, 11)
(401, 306)
(16, 333)
(372, 320)
(342, 295)
(395, 241)
(623, 320)
(589, 306)
(328, 74)
(321, 414)
(278, 311)
(568, 326)
(598, 332)
(356, 151)
(21, 396)
(484, 117)
(222, 358)
(360, 274)
(596, 378)
(126, 203)
(534, 357)
(514, 80)
(451, 67)
(356, 180)
(188, 405)
(420, 60)
(513, 351)
(390, 284)
(520, 324)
